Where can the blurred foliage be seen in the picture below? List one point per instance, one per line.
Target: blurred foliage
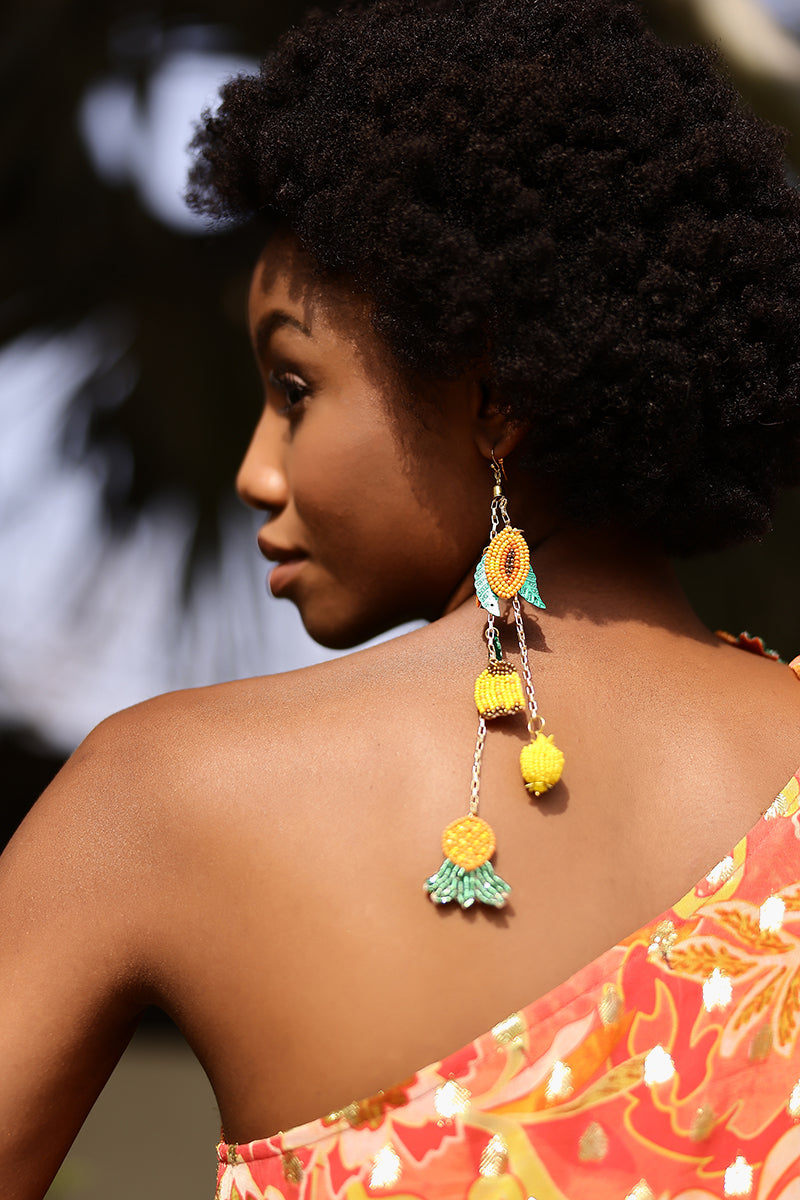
(174, 414)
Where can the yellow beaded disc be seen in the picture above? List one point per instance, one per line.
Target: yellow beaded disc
(542, 764)
(468, 842)
(507, 562)
(498, 691)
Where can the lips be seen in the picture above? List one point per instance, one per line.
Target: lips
(290, 562)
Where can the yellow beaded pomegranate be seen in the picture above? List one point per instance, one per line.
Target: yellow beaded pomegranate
(468, 842)
(498, 691)
(541, 763)
(507, 562)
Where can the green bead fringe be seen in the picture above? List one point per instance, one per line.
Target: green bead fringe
(454, 883)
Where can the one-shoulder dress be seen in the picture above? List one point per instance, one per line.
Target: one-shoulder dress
(667, 1069)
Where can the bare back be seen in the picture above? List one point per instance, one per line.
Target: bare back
(251, 856)
(294, 943)
(337, 977)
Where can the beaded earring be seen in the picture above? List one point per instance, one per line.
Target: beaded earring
(503, 575)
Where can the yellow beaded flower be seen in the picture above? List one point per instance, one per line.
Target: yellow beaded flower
(466, 875)
(541, 763)
(498, 691)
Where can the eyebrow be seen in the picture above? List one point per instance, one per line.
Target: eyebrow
(276, 320)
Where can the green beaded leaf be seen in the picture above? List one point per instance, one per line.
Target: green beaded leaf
(465, 887)
(485, 595)
(530, 591)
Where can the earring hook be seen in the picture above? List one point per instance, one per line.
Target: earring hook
(499, 475)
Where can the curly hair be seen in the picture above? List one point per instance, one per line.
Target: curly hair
(550, 192)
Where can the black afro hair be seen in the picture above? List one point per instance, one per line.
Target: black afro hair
(548, 191)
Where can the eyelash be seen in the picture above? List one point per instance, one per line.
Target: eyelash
(293, 389)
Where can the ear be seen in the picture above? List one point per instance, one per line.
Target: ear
(495, 432)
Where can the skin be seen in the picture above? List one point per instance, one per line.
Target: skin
(251, 856)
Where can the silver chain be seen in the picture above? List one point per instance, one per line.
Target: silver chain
(476, 768)
(499, 514)
(500, 518)
(488, 633)
(533, 708)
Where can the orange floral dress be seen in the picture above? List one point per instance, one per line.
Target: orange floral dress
(667, 1069)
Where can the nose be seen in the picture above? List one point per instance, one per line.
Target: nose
(261, 480)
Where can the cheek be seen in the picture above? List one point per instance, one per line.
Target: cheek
(393, 537)
(330, 469)
(395, 522)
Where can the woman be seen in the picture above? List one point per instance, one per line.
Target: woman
(492, 232)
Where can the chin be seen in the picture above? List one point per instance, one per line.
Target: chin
(336, 632)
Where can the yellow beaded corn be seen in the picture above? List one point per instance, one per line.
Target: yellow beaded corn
(498, 691)
(541, 763)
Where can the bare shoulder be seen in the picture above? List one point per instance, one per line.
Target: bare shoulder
(124, 854)
(191, 732)
(156, 778)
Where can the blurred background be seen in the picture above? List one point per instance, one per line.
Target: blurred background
(127, 394)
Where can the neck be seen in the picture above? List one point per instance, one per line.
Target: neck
(593, 578)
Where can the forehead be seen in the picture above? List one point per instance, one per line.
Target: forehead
(287, 279)
(288, 290)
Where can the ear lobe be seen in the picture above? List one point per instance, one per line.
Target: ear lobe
(495, 432)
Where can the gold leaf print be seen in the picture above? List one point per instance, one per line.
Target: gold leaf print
(703, 1124)
(690, 959)
(372, 1110)
(292, 1168)
(756, 1005)
(749, 931)
(593, 1146)
(761, 1043)
(618, 1080)
(789, 1010)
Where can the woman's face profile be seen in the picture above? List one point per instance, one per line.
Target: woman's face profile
(373, 515)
